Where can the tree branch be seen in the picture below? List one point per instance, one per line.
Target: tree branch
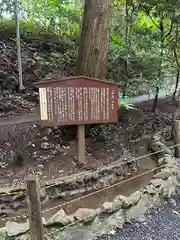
(178, 16)
(170, 30)
(152, 19)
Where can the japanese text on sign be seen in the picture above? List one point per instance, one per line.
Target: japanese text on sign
(73, 105)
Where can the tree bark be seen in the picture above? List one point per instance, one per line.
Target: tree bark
(177, 138)
(176, 86)
(177, 63)
(92, 58)
(161, 31)
(155, 99)
(18, 44)
(127, 51)
(173, 124)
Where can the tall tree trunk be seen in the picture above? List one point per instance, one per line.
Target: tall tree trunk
(174, 116)
(94, 42)
(18, 45)
(127, 51)
(155, 99)
(177, 62)
(176, 86)
(176, 139)
(92, 58)
(161, 32)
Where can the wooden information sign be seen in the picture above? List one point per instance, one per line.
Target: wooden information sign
(78, 101)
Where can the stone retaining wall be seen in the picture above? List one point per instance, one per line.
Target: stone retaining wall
(114, 214)
(70, 187)
(92, 180)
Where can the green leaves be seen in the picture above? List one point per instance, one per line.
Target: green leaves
(125, 104)
(139, 46)
(145, 22)
(61, 16)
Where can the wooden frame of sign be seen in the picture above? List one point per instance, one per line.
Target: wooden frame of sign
(78, 101)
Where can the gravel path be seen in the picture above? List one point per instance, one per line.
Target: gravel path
(157, 224)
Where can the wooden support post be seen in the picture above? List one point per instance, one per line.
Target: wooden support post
(177, 138)
(81, 144)
(34, 208)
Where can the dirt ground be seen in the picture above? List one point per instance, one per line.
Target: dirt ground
(50, 153)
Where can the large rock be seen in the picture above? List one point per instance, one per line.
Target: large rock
(14, 228)
(107, 207)
(127, 202)
(85, 214)
(135, 197)
(95, 176)
(168, 187)
(155, 199)
(164, 174)
(3, 233)
(149, 189)
(103, 225)
(116, 220)
(156, 182)
(111, 207)
(60, 218)
(138, 210)
(157, 145)
(171, 161)
(162, 161)
(116, 205)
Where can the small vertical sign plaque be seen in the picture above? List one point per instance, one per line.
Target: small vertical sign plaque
(43, 104)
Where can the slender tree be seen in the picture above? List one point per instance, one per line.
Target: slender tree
(129, 10)
(18, 45)
(175, 48)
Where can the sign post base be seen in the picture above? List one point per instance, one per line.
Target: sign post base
(81, 144)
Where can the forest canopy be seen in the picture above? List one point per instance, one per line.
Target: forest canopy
(144, 47)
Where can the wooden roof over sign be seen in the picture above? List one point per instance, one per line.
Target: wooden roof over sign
(57, 79)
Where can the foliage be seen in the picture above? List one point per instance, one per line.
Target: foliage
(135, 36)
(125, 104)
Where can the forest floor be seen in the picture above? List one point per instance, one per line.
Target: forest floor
(51, 153)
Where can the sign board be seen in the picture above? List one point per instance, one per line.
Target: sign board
(77, 101)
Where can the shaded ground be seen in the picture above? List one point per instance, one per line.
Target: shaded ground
(26, 148)
(17, 104)
(50, 153)
(43, 55)
(158, 223)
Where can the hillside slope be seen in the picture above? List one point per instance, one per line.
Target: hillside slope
(43, 55)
